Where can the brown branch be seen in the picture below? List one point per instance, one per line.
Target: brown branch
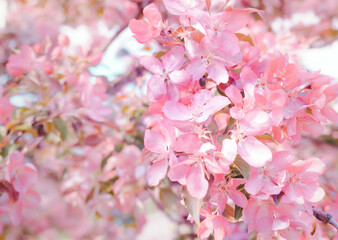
(139, 14)
(324, 217)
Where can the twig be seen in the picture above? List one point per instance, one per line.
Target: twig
(141, 6)
(324, 217)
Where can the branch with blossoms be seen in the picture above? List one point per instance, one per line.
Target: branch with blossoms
(223, 116)
(219, 142)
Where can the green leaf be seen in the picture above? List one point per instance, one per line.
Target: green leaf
(61, 127)
(105, 160)
(118, 147)
(193, 205)
(168, 199)
(266, 137)
(238, 212)
(242, 166)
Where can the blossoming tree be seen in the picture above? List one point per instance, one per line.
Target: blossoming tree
(219, 126)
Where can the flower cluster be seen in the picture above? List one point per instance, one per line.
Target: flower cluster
(223, 112)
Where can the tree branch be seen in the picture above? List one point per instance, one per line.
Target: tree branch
(139, 14)
(324, 217)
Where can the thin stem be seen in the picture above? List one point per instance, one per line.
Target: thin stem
(141, 6)
(324, 217)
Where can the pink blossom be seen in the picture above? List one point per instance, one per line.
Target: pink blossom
(146, 30)
(159, 141)
(167, 74)
(213, 54)
(203, 105)
(302, 181)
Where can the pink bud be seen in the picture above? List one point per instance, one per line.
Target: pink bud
(63, 40)
(56, 53)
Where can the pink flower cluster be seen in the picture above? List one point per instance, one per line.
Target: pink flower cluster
(222, 112)
(16, 188)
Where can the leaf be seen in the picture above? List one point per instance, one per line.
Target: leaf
(266, 137)
(314, 227)
(238, 212)
(168, 199)
(245, 38)
(253, 235)
(105, 160)
(230, 213)
(61, 127)
(193, 205)
(242, 166)
(118, 147)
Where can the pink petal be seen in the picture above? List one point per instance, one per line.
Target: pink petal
(188, 142)
(175, 7)
(173, 93)
(174, 59)
(254, 184)
(215, 104)
(254, 152)
(238, 198)
(153, 15)
(154, 142)
(312, 192)
(141, 30)
(255, 122)
(276, 98)
(248, 76)
(263, 220)
(198, 68)
(15, 213)
(218, 73)
(157, 172)
(176, 111)
(152, 64)
(330, 114)
(280, 223)
(229, 43)
(32, 200)
(197, 185)
(235, 20)
(234, 94)
(156, 88)
(15, 160)
(229, 150)
(180, 77)
(204, 229)
(178, 173)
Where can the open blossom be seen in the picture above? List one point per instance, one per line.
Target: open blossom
(168, 74)
(159, 141)
(146, 30)
(212, 54)
(271, 178)
(223, 190)
(302, 181)
(215, 224)
(21, 63)
(184, 8)
(203, 105)
(265, 217)
(192, 169)
(16, 189)
(243, 140)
